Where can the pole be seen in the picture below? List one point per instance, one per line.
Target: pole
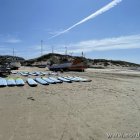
(66, 50)
(82, 54)
(13, 52)
(52, 50)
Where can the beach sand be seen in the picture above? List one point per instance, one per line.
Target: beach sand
(110, 104)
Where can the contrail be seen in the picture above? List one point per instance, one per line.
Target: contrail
(95, 14)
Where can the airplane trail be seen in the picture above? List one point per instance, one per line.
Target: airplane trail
(93, 15)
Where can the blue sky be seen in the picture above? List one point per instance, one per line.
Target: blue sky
(115, 34)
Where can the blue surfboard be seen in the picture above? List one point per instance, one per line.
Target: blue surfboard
(24, 73)
(83, 79)
(72, 79)
(64, 80)
(20, 82)
(48, 80)
(33, 73)
(43, 73)
(11, 82)
(41, 81)
(55, 80)
(3, 82)
(31, 82)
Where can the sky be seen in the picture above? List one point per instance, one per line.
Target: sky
(112, 34)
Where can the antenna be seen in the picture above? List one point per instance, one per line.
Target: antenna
(52, 49)
(82, 54)
(13, 52)
(66, 50)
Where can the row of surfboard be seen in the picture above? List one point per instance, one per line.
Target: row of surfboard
(42, 80)
(24, 73)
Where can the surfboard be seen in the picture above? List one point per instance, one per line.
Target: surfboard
(55, 80)
(24, 73)
(39, 73)
(43, 73)
(41, 81)
(19, 82)
(3, 82)
(72, 79)
(31, 82)
(64, 80)
(14, 72)
(48, 80)
(11, 82)
(33, 73)
(83, 79)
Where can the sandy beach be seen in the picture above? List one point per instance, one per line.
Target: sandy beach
(110, 104)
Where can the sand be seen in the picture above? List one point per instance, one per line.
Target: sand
(72, 111)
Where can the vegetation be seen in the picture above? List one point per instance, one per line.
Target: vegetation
(59, 58)
(7, 59)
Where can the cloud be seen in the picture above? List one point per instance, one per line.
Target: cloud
(53, 33)
(12, 40)
(86, 46)
(9, 39)
(93, 15)
(122, 42)
(106, 44)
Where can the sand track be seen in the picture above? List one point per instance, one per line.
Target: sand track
(76, 111)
